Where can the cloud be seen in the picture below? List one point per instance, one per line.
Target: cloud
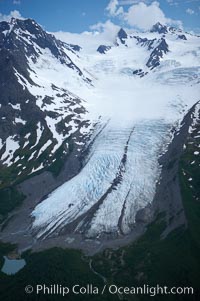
(191, 1)
(113, 9)
(108, 30)
(130, 2)
(172, 2)
(145, 16)
(189, 11)
(141, 14)
(101, 33)
(13, 14)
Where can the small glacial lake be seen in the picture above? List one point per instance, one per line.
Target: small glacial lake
(12, 266)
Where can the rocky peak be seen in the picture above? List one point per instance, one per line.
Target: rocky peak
(103, 49)
(158, 27)
(24, 32)
(24, 39)
(122, 35)
(28, 25)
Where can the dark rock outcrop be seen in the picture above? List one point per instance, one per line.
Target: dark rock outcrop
(145, 42)
(103, 49)
(157, 54)
(122, 35)
(182, 37)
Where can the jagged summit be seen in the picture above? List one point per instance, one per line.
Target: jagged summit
(28, 29)
(25, 39)
(158, 27)
(122, 35)
(26, 25)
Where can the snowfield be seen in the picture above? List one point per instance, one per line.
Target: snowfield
(121, 170)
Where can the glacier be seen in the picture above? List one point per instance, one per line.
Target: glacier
(136, 116)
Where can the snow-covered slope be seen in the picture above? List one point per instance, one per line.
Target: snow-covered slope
(141, 85)
(38, 113)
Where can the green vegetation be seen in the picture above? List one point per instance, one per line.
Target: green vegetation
(29, 127)
(55, 266)
(21, 169)
(61, 157)
(9, 199)
(5, 249)
(190, 183)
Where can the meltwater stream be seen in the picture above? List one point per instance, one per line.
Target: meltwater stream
(118, 179)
